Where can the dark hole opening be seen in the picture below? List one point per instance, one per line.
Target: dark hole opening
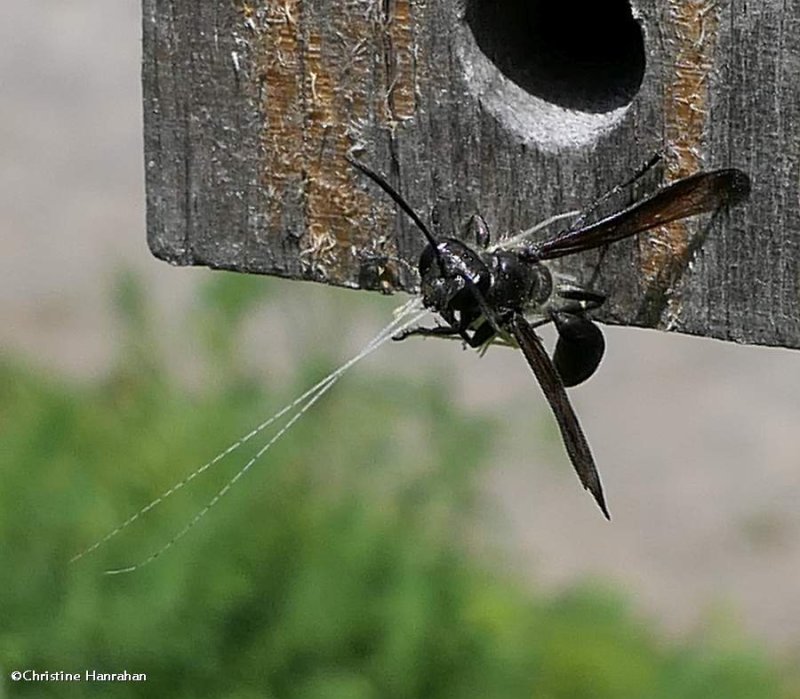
(586, 55)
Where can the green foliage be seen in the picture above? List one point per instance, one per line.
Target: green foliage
(335, 570)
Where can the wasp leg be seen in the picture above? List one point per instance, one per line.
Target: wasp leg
(438, 331)
(588, 299)
(483, 334)
(479, 337)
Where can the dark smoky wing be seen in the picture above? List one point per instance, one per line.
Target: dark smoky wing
(574, 440)
(701, 193)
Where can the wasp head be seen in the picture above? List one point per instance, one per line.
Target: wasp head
(449, 275)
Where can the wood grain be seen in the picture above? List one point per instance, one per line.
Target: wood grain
(517, 110)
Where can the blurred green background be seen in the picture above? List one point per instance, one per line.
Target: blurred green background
(339, 568)
(396, 543)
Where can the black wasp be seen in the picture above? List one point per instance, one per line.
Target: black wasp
(499, 293)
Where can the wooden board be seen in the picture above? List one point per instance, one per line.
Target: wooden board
(518, 110)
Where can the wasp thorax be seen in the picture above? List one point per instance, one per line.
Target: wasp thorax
(517, 283)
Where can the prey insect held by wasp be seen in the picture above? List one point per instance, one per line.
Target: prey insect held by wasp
(486, 293)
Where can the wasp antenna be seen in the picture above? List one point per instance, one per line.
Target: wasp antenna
(396, 196)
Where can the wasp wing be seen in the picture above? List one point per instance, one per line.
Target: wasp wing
(701, 193)
(574, 440)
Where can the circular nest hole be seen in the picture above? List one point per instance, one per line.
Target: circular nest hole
(581, 55)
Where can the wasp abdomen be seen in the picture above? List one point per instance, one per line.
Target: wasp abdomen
(579, 349)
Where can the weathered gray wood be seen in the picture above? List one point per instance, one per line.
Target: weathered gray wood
(517, 110)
